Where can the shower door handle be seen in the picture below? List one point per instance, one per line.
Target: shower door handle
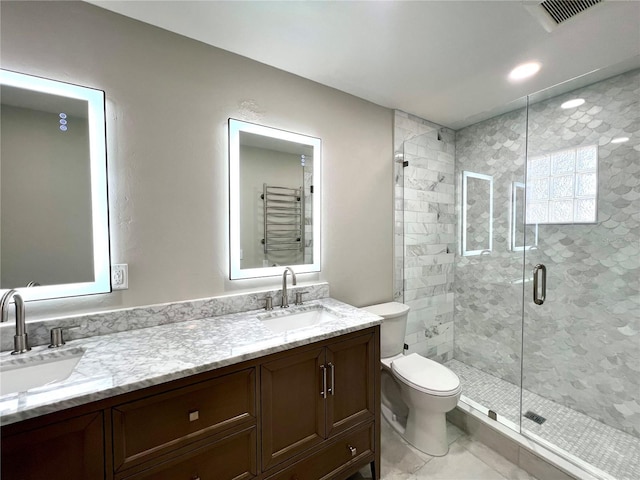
(540, 268)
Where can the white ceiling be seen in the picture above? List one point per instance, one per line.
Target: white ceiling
(444, 61)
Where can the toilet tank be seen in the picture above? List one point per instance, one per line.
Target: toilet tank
(393, 328)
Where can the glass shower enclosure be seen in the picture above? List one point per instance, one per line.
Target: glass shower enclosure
(521, 263)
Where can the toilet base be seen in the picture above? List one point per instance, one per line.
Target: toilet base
(428, 433)
(429, 436)
(397, 423)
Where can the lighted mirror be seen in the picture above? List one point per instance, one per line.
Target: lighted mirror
(477, 214)
(274, 200)
(54, 235)
(523, 236)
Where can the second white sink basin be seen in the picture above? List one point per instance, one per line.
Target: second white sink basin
(295, 321)
(20, 375)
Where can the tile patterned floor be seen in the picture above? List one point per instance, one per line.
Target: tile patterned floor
(467, 460)
(614, 452)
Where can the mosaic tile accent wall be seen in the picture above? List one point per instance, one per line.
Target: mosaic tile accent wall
(582, 347)
(424, 234)
(488, 288)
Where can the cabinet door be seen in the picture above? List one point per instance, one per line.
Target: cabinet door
(68, 450)
(293, 406)
(351, 371)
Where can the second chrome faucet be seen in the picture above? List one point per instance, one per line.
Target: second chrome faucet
(285, 299)
(20, 339)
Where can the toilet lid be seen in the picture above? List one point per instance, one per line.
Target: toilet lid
(388, 310)
(426, 375)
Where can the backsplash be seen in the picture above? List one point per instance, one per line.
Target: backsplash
(103, 323)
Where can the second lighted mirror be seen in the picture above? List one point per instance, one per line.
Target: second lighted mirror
(274, 201)
(523, 236)
(477, 214)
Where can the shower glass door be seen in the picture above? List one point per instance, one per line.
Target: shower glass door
(581, 339)
(490, 200)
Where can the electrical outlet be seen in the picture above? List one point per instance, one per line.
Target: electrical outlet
(120, 276)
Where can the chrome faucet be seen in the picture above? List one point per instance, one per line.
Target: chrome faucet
(20, 340)
(285, 300)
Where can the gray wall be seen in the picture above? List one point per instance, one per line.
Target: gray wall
(168, 101)
(581, 347)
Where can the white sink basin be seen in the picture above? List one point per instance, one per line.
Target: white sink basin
(295, 321)
(19, 375)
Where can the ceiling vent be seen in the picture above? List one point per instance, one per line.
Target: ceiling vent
(552, 13)
(561, 10)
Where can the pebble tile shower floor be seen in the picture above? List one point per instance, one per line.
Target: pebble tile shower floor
(608, 449)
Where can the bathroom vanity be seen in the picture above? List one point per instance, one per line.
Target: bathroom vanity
(302, 403)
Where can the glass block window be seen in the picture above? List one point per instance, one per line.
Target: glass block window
(562, 186)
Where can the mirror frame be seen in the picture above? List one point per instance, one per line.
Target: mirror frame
(235, 128)
(463, 243)
(99, 199)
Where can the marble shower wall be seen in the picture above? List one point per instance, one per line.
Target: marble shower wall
(424, 233)
(488, 288)
(582, 347)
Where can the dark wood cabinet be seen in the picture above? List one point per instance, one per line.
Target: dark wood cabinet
(307, 413)
(310, 396)
(72, 449)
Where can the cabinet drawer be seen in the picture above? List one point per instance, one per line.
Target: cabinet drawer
(232, 458)
(155, 425)
(330, 460)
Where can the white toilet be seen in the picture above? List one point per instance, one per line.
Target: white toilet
(416, 392)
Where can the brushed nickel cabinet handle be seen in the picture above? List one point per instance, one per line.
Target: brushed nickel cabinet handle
(323, 393)
(194, 415)
(353, 450)
(332, 387)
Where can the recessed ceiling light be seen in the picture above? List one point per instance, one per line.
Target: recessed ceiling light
(523, 71)
(576, 102)
(620, 140)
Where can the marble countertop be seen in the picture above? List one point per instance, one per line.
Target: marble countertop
(127, 361)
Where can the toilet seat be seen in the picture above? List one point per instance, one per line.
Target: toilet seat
(426, 375)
